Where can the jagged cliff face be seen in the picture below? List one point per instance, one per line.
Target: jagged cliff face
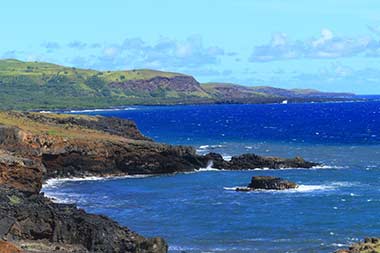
(176, 83)
(66, 146)
(176, 89)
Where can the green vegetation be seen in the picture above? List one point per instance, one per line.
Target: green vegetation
(14, 200)
(41, 86)
(36, 85)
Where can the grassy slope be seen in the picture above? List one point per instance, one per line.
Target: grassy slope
(37, 85)
(54, 130)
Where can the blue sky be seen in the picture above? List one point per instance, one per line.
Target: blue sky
(332, 45)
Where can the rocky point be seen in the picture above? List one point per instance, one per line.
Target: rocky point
(35, 147)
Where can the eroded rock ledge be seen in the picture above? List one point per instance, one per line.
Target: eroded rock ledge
(35, 147)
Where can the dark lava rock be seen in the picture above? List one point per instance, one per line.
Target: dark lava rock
(34, 218)
(252, 161)
(268, 183)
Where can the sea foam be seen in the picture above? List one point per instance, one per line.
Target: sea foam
(301, 188)
(55, 182)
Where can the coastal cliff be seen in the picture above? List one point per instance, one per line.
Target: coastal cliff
(35, 147)
(42, 86)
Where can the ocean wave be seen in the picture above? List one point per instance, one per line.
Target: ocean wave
(102, 110)
(227, 158)
(328, 167)
(62, 198)
(207, 169)
(256, 169)
(340, 244)
(90, 110)
(55, 182)
(301, 188)
(211, 146)
(178, 248)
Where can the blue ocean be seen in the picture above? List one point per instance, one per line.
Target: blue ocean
(336, 204)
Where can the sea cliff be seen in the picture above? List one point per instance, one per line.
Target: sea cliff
(35, 147)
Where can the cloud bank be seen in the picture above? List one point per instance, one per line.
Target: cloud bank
(326, 46)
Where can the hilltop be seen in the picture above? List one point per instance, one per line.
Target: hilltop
(38, 85)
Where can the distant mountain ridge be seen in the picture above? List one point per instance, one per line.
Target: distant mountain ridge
(38, 85)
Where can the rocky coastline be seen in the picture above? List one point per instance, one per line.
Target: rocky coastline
(35, 147)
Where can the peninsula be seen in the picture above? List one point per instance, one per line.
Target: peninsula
(35, 147)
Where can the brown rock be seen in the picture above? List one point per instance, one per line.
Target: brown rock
(7, 247)
(370, 245)
(20, 173)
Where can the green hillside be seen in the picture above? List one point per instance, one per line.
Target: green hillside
(38, 85)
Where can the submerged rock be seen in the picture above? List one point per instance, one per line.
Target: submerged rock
(370, 245)
(268, 183)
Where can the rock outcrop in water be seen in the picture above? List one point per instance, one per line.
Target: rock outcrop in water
(35, 147)
(252, 161)
(370, 245)
(268, 183)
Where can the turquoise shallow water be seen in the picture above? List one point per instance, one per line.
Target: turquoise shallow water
(197, 212)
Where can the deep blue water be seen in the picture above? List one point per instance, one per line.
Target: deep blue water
(334, 206)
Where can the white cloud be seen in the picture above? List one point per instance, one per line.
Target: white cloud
(326, 35)
(110, 51)
(326, 45)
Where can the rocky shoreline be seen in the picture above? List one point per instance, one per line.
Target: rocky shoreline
(35, 147)
(35, 223)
